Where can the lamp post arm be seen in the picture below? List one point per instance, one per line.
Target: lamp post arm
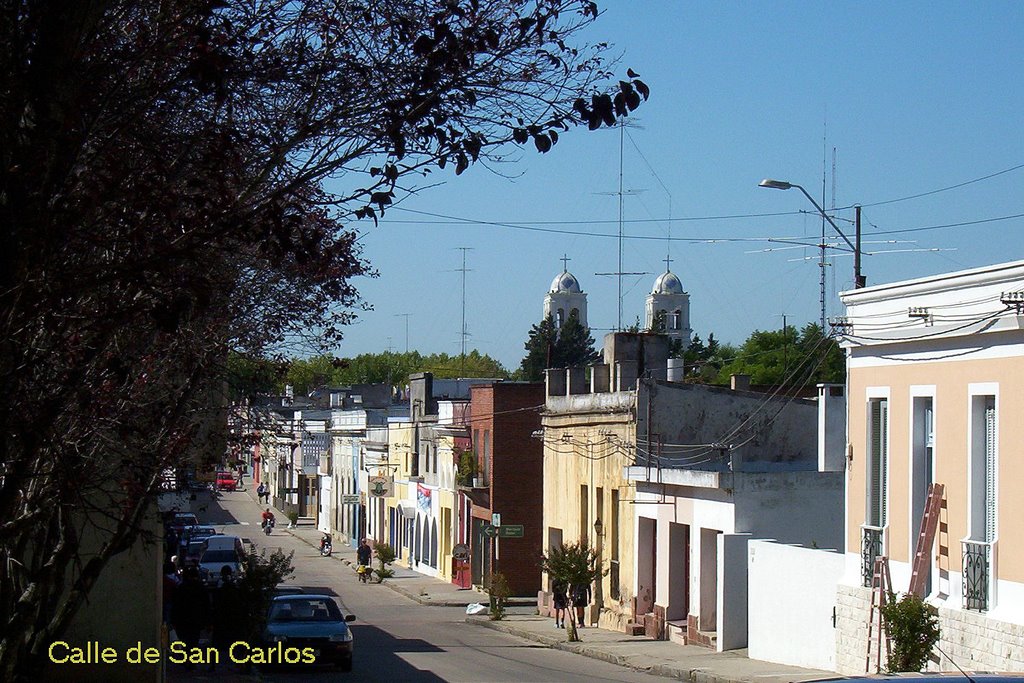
(826, 217)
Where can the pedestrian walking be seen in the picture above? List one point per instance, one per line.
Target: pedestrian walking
(561, 601)
(229, 615)
(261, 491)
(191, 610)
(580, 599)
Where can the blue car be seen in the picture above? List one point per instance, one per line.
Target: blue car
(311, 622)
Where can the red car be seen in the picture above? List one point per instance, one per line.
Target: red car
(226, 481)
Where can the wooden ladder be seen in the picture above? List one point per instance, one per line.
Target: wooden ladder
(881, 586)
(929, 525)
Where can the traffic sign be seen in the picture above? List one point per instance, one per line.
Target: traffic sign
(510, 531)
(495, 519)
(491, 531)
(461, 551)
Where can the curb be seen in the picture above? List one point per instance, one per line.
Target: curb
(579, 648)
(395, 587)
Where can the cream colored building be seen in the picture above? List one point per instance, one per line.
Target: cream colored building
(936, 394)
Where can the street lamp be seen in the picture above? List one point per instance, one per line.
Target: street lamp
(858, 279)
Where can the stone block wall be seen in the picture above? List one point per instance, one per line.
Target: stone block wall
(975, 641)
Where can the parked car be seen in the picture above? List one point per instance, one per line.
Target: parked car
(309, 620)
(191, 553)
(213, 561)
(222, 542)
(196, 532)
(226, 481)
(181, 520)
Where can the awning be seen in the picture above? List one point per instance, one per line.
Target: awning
(407, 508)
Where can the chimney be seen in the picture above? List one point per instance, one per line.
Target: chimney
(739, 382)
(676, 372)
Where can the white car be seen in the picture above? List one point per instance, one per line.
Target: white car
(213, 562)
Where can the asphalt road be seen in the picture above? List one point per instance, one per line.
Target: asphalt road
(397, 639)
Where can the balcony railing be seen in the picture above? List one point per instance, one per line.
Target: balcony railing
(871, 543)
(977, 574)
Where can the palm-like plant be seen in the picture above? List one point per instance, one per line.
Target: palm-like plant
(574, 564)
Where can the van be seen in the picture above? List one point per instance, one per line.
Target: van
(226, 481)
(226, 543)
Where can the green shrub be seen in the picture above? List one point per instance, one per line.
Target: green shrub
(293, 517)
(913, 627)
(256, 585)
(467, 468)
(385, 556)
(497, 588)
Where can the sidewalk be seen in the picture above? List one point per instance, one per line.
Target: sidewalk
(657, 657)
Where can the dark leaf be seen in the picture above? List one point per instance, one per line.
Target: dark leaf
(543, 143)
(642, 88)
(520, 135)
(632, 74)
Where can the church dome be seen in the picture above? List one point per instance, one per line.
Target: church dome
(565, 282)
(667, 283)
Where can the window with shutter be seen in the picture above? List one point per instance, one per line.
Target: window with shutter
(877, 456)
(990, 470)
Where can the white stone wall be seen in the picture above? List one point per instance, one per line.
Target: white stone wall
(791, 594)
(975, 641)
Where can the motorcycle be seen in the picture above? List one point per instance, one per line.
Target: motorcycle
(363, 571)
(325, 546)
(268, 524)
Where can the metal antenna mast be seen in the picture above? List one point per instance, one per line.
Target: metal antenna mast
(463, 270)
(406, 316)
(619, 272)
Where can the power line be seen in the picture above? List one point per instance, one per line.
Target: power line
(941, 189)
(532, 227)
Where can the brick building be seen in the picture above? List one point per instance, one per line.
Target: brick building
(509, 481)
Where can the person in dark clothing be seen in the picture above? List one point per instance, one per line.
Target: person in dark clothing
(229, 615)
(191, 609)
(363, 553)
(561, 601)
(580, 599)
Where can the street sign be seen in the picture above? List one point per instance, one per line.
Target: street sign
(381, 487)
(491, 531)
(286, 491)
(510, 531)
(350, 499)
(495, 519)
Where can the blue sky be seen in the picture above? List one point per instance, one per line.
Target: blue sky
(913, 97)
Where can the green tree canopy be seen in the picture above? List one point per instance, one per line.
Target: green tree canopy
(788, 357)
(306, 374)
(549, 347)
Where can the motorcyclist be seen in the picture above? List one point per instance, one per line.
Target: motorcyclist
(268, 519)
(325, 543)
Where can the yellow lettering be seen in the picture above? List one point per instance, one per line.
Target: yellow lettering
(63, 645)
(292, 656)
(78, 657)
(308, 655)
(152, 655)
(258, 656)
(109, 655)
(231, 652)
(134, 654)
(178, 653)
